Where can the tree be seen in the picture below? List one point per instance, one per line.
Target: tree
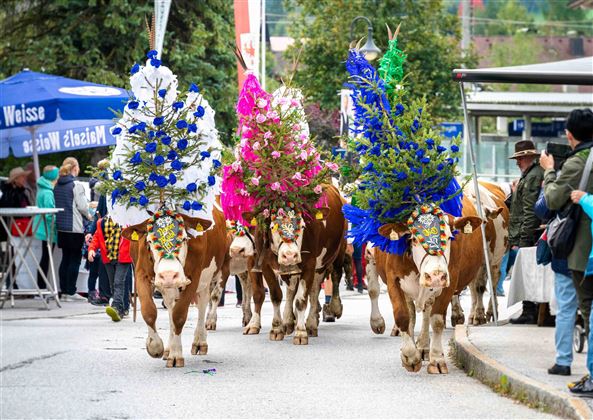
(429, 35)
(99, 40)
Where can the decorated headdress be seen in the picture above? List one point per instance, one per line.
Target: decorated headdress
(404, 164)
(167, 152)
(276, 166)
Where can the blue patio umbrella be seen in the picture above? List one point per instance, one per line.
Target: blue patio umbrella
(42, 114)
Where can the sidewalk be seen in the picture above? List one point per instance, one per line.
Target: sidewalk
(34, 309)
(516, 358)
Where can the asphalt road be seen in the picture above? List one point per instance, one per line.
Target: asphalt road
(85, 366)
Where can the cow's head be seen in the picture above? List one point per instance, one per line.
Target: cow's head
(165, 236)
(429, 232)
(242, 244)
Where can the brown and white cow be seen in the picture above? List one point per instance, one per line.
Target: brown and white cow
(423, 282)
(240, 259)
(301, 263)
(497, 236)
(180, 280)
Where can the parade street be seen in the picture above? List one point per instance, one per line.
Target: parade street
(85, 366)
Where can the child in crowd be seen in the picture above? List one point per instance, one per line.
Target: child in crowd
(115, 254)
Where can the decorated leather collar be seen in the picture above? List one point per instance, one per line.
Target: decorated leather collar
(166, 233)
(427, 224)
(287, 222)
(237, 228)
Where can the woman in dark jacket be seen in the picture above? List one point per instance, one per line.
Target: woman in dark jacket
(69, 223)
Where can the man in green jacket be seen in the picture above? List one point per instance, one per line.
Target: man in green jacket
(557, 189)
(524, 225)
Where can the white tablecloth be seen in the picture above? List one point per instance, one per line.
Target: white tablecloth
(530, 281)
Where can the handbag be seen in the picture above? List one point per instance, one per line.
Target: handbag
(562, 229)
(21, 224)
(543, 255)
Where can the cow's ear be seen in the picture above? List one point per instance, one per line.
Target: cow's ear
(133, 233)
(321, 213)
(467, 224)
(393, 231)
(196, 223)
(493, 214)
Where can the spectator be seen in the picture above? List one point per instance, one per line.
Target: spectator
(115, 254)
(71, 197)
(524, 226)
(97, 268)
(31, 184)
(585, 385)
(566, 299)
(45, 200)
(557, 189)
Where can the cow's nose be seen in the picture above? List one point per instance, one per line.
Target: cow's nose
(437, 279)
(290, 257)
(237, 251)
(169, 279)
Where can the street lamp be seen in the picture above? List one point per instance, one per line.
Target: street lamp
(369, 49)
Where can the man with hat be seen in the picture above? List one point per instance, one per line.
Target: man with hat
(524, 225)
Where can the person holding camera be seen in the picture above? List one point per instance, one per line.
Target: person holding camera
(524, 225)
(557, 191)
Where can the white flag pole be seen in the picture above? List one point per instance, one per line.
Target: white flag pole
(161, 13)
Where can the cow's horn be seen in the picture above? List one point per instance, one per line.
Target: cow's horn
(396, 33)
(388, 32)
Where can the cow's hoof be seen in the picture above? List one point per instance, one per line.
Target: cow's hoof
(246, 320)
(336, 307)
(479, 319)
(199, 349)
(288, 328)
(424, 353)
(251, 330)
(276, 334)
(329, 318)
(457, 320)
(312, 332)
(211, 325)
(155, 347)
(413, 368)
(378, 325)
(300, 340)
(166, 354)
(395, 332)
(435, 368)
(177, 362)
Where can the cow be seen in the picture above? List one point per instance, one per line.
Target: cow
(241, 251)
(497, 235)
(300, 250)
(180, 279)
(424, 279)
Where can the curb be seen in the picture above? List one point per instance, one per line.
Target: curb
(513, 383)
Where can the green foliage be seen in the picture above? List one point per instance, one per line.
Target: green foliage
(96, 40)
(430, 36)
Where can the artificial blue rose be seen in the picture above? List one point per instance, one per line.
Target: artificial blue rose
(133, 200)
(141, 126)
(114, 195)
(116, 131)
(143, 201)
(162, 93)
(369, 167)
(205, 154)
(450, 161)
(415, 126)
(172, 179)
(150, 134)
(136, 159)
(402, 176)
(152, 177)
(440, 167)
(160, 133)
(133, 104)
(191, 187)
(196, 206)
(454, 148)
(135, 68)
(176, 165)
(172, 155)
(117, 175)
(133, 129)
(420, 153)
(194, 88)
(399, 109)
(182, 144)
(216, 163)
(199, 112)
(192, 128)
(158, 121)
(150, 147)
(140, 185)
(166, 140)
(162, 181)
(155, 62)
(430, 143)
(177, 105)
(419, 111)
(441, 149)
(159, 160)
(187, 206)
(425, 160)
(152, 54)
(211, 180)
(181, 124)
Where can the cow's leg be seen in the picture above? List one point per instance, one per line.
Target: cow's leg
(217, 287)
(457, 315)
(423, 341)
(277, 331)
(288, 319)
(247, 294)
(495, 271)
(477, 288)
(306, 281)
(437, 362)
(259, 294)
(154, 344)
(396, 332)
(200, 343)
(313, 318)
(174, 351)
(335, 304)
(410, 356)
(374, 289)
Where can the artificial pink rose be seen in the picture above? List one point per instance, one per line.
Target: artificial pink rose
(331, 166)
(255, 180)
(256, 145)
(261, 118)
(304, 138)
(298, 176)
(267, 135)
(266, 213)
(294, 103)
(296, 127)
(262, 103)
(244, 192)
(272, 115)
(318, 189)
(237, 166)
(275, 154)
(303, 155)
(275, 186)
